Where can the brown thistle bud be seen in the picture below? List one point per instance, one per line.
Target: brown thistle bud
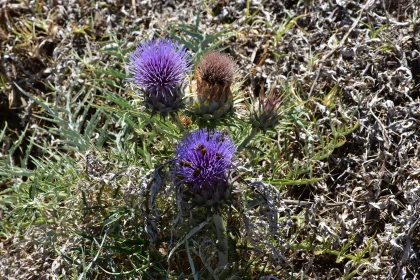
(214, 77)
(217, 68)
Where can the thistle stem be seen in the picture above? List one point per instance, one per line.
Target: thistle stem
(246, 141)
(222, 246)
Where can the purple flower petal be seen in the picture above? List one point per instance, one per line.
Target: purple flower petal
(159, 66)
(203, 157)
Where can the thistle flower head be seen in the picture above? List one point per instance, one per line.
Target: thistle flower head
(159, 66)
(214, 77)
(203, 159)
(267, 111)
(217, 68)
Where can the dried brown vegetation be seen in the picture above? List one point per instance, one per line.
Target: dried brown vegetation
(368, 198)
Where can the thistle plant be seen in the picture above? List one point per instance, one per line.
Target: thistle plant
(265, 112)
(159, 67)
(203, 159)
(214, 77)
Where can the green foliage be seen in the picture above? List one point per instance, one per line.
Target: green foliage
(197, 41)
(292, 162)
(373, 31)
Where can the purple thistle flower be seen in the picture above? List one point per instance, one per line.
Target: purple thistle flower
(203, 159)
(160, 66)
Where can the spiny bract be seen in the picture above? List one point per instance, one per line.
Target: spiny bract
(266, 109)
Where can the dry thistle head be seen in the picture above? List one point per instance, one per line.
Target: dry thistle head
(217, 68)
(214, 77)
(266, 110)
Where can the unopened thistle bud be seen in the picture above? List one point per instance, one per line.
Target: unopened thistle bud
(266, 109)
(202, 160)
(214, 77)
(159, 67)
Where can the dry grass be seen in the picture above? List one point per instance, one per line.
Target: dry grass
(332, 193)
